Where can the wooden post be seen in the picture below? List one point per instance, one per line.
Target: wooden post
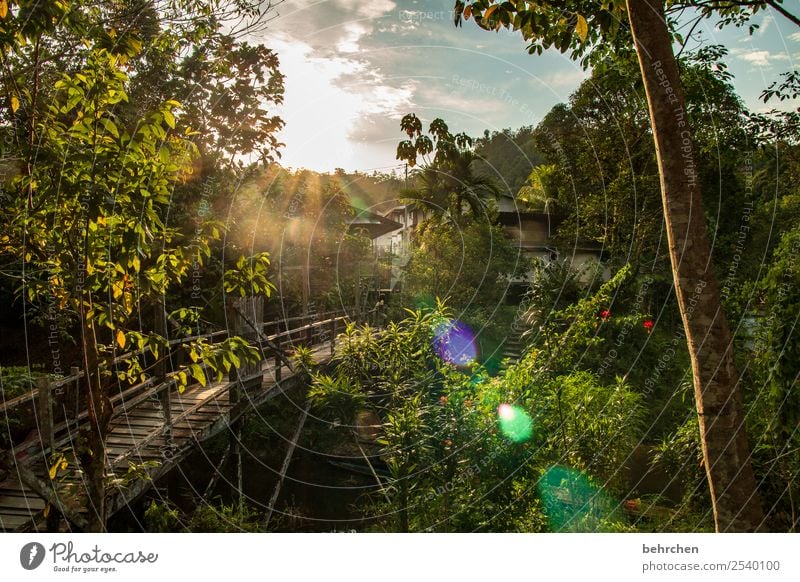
(234, 393)
(306, 285)
(333, 333)
(358, 297)
(237, 452)
(246, 314)
(47, 437)
(278, 361)
(160, 371)
(45, 414)
(76, 387)
(166, 403)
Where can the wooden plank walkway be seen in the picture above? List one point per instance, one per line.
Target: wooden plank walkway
(139, 434)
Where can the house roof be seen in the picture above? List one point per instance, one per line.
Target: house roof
(373, 224)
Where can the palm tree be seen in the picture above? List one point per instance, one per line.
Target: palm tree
(451, 187)
(468, 187)
(539, 190)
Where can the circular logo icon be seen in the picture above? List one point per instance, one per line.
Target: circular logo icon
(31, 555)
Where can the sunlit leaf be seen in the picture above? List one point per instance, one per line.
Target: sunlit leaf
(169, 119)
(198, 374)
(582, 28)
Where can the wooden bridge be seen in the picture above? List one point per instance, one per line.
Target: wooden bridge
(154, 426)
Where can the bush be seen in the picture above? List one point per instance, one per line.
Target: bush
(466, 451)
(221, 518)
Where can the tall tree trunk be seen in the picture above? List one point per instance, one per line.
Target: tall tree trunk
(93, 457)
(717, 394)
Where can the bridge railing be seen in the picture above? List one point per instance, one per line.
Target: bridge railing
(57, 408)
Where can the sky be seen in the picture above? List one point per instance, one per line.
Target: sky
(353, 68)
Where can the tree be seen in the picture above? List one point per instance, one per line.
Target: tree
(576, 26)
(94, 241)
(539, 190)
(448, 181)
(85, 219)
(467, 263)
(601, 173)
(508, 156)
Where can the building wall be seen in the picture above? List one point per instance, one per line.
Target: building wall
(529, 231)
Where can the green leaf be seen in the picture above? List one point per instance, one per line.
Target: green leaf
(198, 373)
(109, 126)
(235, 360)
(169, 119)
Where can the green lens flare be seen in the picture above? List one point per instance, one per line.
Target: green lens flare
(515, 423)
(573, 503)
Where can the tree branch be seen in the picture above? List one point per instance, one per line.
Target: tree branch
(778, 8)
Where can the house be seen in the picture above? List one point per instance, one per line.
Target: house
(374, 226)
(534, 234)
(395, 246)
(382, 231)
(398, 242)
(532, 231)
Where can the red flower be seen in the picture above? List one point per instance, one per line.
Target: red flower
(443, 400)
(631, 504)
(605, 314)
(648, 325)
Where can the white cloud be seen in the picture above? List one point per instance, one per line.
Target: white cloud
(563, 79)
(322, 113)
(353, 33)
(795, 36)
(765, 24)
(759, 58)
(371, 9)
(333, 93)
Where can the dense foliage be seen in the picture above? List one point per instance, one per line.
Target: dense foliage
(470, 452)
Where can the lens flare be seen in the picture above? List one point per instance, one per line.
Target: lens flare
(573, 503)
(455, 343)
(515, 423)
